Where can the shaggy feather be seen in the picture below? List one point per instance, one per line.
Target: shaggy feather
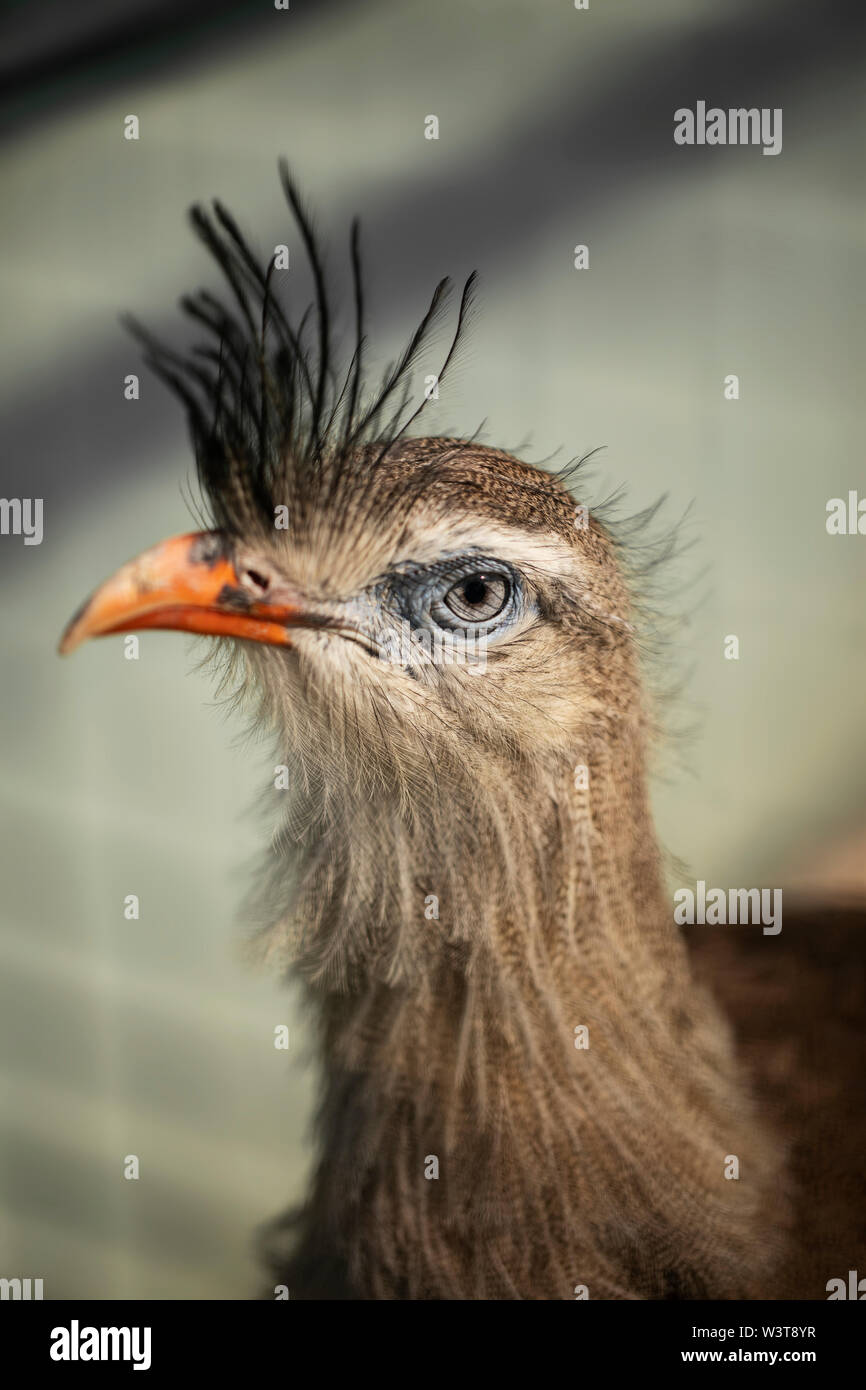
(453, 1035)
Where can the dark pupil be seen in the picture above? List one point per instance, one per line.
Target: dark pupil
(475, 589)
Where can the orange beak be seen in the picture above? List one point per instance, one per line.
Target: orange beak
(190, 584)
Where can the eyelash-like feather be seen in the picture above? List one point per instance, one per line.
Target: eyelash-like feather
(263, 393)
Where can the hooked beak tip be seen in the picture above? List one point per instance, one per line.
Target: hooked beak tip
(73, 634)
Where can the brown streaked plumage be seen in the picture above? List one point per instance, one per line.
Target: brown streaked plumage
(456, 901)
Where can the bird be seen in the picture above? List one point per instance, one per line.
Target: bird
(531, 1087)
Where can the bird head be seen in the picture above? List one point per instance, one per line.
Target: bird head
(443, 589)
(430, 625)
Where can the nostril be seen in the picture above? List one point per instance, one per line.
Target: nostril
(260, 581)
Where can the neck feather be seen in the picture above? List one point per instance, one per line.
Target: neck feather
(525, 1091)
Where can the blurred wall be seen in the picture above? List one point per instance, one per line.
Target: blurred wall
(150, 1037)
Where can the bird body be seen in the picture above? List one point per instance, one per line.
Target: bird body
(526, 1092)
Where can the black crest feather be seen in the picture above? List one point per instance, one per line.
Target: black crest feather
(270, 411)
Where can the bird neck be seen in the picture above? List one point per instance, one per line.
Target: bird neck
(525, 1091)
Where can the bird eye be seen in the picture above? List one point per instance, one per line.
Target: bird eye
(476, 598)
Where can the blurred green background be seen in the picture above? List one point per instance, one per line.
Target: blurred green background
(152, 1037)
